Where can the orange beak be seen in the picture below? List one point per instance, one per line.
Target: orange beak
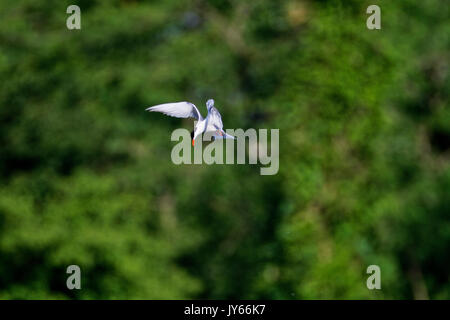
(192, 142)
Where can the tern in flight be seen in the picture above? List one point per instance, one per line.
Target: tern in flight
(211, 124)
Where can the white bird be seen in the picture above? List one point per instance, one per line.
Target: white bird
(211, 124)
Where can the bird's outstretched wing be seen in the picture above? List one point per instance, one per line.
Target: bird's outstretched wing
(214, 119)
(178, 109)
(215, 125)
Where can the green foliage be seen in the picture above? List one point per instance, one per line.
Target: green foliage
(86, 176)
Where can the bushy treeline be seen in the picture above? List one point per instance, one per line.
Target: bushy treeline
(86, 176)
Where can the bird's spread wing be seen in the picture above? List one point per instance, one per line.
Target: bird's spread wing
(215, 125)
(214, 120)
(178, 110)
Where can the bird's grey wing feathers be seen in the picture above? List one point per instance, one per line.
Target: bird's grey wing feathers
(214, 118)
(178, 110)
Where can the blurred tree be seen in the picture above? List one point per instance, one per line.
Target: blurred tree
(86, 177)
